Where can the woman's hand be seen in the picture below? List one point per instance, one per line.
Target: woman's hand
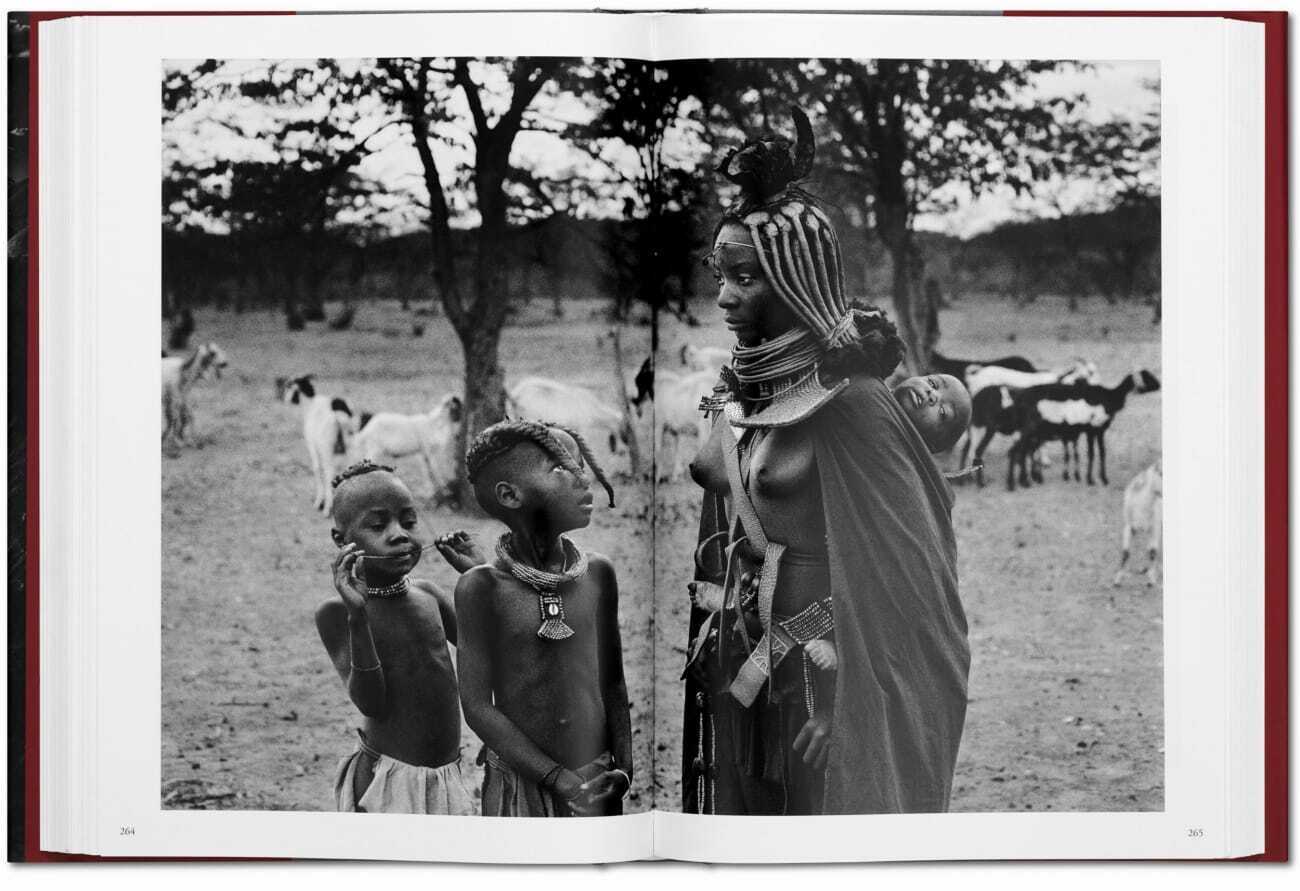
(349, 581)
(813, 741)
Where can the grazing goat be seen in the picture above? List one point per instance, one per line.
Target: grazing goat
(327, 425)
(386, 436)
(678, 420)
(941, 364)
(1066, 411)
(1143, 506)
(992, 413)
(705, 358)
(644, 383)
(980, 376)
(178, 375)
(544, 399)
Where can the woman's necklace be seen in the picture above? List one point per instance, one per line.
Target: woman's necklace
(767, 370)
(546, 584)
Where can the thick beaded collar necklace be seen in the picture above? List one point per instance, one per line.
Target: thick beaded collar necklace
(549, 602)
(399, 588)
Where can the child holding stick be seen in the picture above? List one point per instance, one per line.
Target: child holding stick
(387, 636)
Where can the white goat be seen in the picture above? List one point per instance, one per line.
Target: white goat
(678, 419)
(544, 399)
(178, 375)
(1143, 509)
(387, 436)
(1079, 371)
(327, 425)
(705, 358)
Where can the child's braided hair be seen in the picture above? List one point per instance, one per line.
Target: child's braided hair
(500, 438)
(360, 468)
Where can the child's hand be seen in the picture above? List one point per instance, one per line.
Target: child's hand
(460, 550)
(348, 580)
(595, 795)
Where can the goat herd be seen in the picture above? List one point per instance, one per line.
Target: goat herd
(1010, 397)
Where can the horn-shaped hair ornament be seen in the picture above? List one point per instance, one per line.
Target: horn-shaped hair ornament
(796, 243)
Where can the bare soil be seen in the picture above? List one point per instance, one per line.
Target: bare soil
(1066, 687)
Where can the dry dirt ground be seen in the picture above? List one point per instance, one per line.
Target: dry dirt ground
(1065, 712)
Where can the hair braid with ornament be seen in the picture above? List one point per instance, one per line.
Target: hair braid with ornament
(500, 438)
(799, 253)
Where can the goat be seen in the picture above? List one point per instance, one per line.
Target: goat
(644, 382)
(178, 375)
(678, 419)
(941, 364)
(327, 427)
(1066, 411)
(554, 402)
(1143, 506)
(991, 415)
(980, 376)
(386, 436)
(705, 358)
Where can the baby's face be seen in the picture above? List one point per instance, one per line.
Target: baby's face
(938, 406)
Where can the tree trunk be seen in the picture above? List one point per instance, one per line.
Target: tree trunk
(485, 400)
(914, 318)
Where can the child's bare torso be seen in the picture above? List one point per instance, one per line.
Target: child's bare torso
(420, 721)
(551, 689)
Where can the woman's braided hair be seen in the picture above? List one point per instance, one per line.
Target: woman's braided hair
(500, 438)
(799, 251)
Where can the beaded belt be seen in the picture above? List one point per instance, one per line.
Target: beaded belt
(813, 622)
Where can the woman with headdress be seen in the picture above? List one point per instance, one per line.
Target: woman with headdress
(828, 646)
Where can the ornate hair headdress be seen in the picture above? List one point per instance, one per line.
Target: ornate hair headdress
(505, 435)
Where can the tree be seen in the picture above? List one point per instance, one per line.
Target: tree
(283, 178)
(906, 136)
(476, 304)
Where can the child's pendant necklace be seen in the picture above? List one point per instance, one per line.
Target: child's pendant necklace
(399, 588)
(549, 601)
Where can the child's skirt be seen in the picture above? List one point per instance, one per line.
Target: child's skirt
(401, 788)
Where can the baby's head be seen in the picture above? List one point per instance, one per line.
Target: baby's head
(938, 406)
(374, 510)
(520, 469)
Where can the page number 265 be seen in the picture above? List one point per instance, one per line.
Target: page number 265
(1196, 833)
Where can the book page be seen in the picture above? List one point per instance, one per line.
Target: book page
(371, 243)
(1094, 702)
(1069, 643)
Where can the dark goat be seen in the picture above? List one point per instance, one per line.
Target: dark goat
(1063, 412)
(941, 364)
(644, 383)
(993, 412)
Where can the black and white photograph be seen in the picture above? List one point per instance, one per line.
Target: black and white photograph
(549, 436)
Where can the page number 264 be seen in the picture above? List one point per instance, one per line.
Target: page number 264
(126, 830)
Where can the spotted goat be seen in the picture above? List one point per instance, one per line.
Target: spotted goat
(1067, 411)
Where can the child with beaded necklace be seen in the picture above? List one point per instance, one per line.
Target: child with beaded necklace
(540, 656)
(387, 636)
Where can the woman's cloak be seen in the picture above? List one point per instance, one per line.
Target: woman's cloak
(900, 631)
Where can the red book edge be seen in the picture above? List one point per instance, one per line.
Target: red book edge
(1276, 421)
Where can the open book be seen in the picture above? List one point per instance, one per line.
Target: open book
(884, 332)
